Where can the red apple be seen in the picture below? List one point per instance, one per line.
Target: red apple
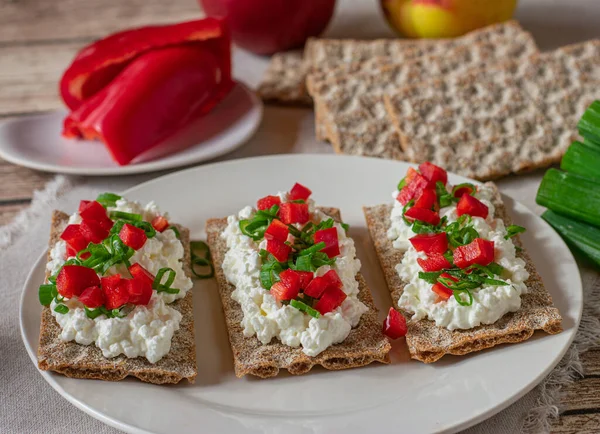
(268, 26)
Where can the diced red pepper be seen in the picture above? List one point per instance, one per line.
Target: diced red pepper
(478, 251)
(92, 297)
(442, 292)
(333, 280)
(83, 204)
(410, 175)
(116, 291)
(305, 278)
(139, 290)
(394, 326)
(330, 238)
(330, 300)
(316, 287)
(472, 206)
(74, 239)
(412, 189)
(277, 230)
(93, 231)
(132, 236)
(433, 173)
(93, 211)
(267, 202)
(299, 192)
(282, 292)
(280, 250)
(422, 214)
(427, 199)
(434, 263)
(139, 272)
(73, 279)
(465, 189)
(160, 223)
(291, 279)
(293, 213)
(431, 244)
(72, 252)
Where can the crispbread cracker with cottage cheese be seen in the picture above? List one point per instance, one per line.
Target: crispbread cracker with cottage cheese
(86, 361)
(428, 342)
(364, 345)
(283, 81)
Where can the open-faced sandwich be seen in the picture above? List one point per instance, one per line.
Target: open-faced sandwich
(455, 266)
(291, 289)
(117, 296)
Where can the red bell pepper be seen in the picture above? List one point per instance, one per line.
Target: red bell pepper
(461, 189)
(478, 251)
(93, 231)
(280, 250)
(92, 297)
(116, 291)
(83, 204)
(92, 210)
(132, 236)
(139, 291)
(73, 279)
(422, 214)
(433, 173)
(277, 231)
(394, 326)
(160, 223)
(330, 300)
(472, 206)
(299, 192)
(305, 278)
(290, 212)
(431, 244)
(330, 238)
(442, 291)
(139, 272)
(434, 263)
(74, 238)
(333, 279)
(316, 287)
(291, 279)
(282, 292)
(427, 199)
(413, 188)
(267, 202)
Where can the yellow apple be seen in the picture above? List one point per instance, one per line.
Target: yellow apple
(444, 18)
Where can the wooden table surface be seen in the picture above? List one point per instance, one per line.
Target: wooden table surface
(38, 40)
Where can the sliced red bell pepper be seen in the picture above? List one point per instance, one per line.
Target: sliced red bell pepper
(433, 173)
(461, 189)
(132, 236)
(427, 199)
(330, 300)
(83, 204)
(280, 250)
(277, 231)
(93, 210)
(430, 244)
(93, 231)
(139, 272)
(92, 297)
(160, 223)
(434, 263)
(97, 64)
(413, 188)
(478, 251)
(299, 192)
(291, 279)
(116, 291)
(422, 214)
(316, 287)
(290, 212)
(305, 278)
(330, 238)
(267, 202)
(74, 239)
(472, 206)
(333, 279)
(442, 291)
(139, 291)
(73, 279)
(394, 326)
(282, 292)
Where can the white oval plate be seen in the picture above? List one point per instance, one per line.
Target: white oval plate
(407, 395)
(36, 141)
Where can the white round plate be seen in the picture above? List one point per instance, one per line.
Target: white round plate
(407, 396)
(36, 141)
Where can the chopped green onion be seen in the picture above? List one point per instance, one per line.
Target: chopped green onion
(429, 277)
(166, 286)
(406, 207)
(201, 261)
(345, 226)
(313, 249)
(127, 216)
(513, 230)
(463, 185)
(174, 229)
(94, 313)
(583, 160)
(108, 199)
(46, 294)
(303, 307)
(459, 299)
(589, 124)
(402, 183)
(61, 308)
(444, 196)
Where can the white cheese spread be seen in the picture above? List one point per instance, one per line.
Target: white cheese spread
(490, 303)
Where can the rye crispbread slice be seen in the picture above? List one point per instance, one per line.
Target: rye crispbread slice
(86, 361)
(349, 108)
(490, 122)
(364, 345)
(283, 81)
(428, 342)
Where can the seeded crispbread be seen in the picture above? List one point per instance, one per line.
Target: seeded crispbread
(283, 81)
(364, 345)
(490, 122)
(428, 342)
(86, 361)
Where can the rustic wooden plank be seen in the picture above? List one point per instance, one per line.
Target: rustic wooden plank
(35, 20)
(591, 362)
(8, 212)
(18, 183)
(583, 394)
(577, 424)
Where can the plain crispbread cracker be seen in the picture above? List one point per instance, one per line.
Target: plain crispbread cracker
(86, 361)
(490, 122)
(283, 82)
(365, 343)
(428, 342)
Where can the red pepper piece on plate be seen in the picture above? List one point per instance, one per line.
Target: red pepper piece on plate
(330, 238)
(73, 279)
(427, 199)
(160, 223)
(96, 65)
(74, 238)
(430, 244)
(434, 263)
(283, 292)
(413, 188)
(394, 326)
(280, 250)
(267, 202)
(442, 291)
(316, 287)
(305, 278)
(139, 291)
(472, 206)
(116, 292)
(290, 213)
(330, 300)
(333, 280)
(433, 173)
(277, 231)
(422, 214)
(132, 236)
(93, 231)
(139, 272)
(92, 297)
(291, 279)
(478, 251)
(299, 192)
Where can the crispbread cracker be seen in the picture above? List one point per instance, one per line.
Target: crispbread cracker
(365, 343)
(283, 82)
(428, 342)
(86, 361)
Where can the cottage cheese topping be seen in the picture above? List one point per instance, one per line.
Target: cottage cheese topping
(265, 317)
(490, 303)
(146, 330)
